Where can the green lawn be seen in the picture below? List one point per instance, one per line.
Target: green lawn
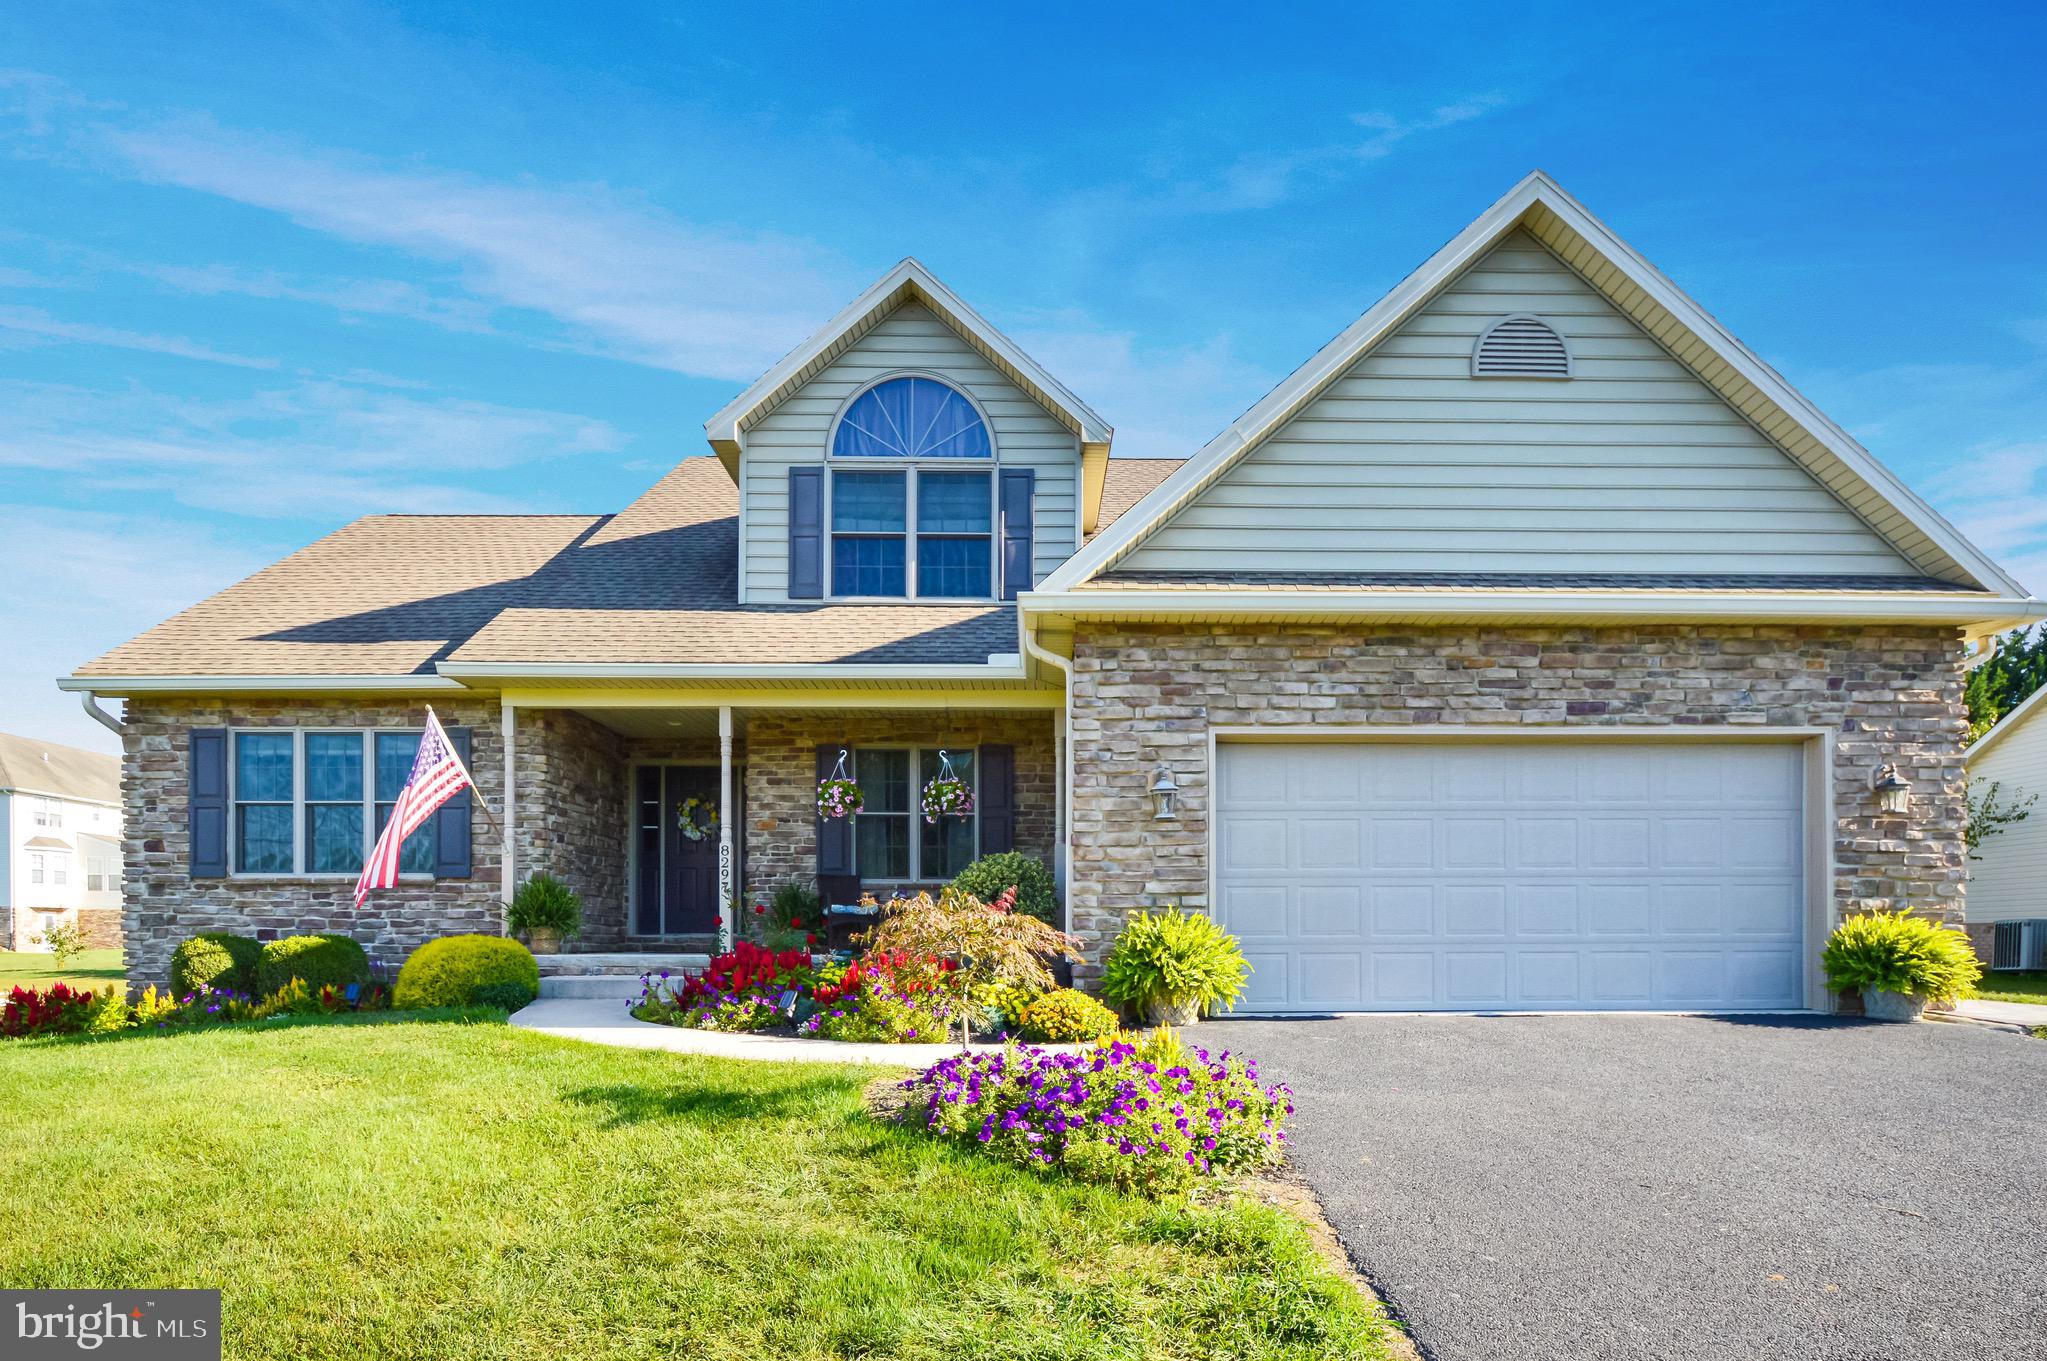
(2015, 985)
(460, 1189)
(89, 969)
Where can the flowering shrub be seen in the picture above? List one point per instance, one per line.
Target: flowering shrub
(881, 1013)
(58, 1010)
(739, 990)
(1067, 1016)
(839, 798)
(1112, 1115)
(62, 1010)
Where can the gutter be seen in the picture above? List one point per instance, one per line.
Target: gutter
(90, 702)
(217, 685)
(1000, 666)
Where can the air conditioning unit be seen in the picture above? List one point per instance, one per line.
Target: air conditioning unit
(2019, 945)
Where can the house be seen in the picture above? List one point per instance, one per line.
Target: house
(2007, 899)
(1533, 645)
(60, 843)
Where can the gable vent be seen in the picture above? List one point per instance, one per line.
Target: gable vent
(1520, 347)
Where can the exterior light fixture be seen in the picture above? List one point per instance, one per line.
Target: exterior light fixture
(1163, 793)
(1893, 793)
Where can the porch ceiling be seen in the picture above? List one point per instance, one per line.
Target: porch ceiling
(669, 724)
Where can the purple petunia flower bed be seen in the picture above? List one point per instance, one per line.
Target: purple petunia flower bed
(1152, 1118)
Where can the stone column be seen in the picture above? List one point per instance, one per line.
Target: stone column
(725, 857)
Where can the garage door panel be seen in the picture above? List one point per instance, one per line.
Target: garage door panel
(1561, 875)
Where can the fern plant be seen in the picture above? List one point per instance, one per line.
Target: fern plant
(545, 903)
(1172, 957)
(1898, 952)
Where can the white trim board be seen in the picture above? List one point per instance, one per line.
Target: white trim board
(1940, 548)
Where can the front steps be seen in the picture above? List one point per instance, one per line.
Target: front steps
(609, 975)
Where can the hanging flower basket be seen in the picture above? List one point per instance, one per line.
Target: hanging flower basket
(947, 795)
(698, 818)
(838, 796)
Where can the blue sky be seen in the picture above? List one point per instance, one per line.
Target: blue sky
(265, 268)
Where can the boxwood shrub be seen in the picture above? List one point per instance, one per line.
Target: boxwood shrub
(448, 972)
(318, 960)
(992, 875)
(215, 959)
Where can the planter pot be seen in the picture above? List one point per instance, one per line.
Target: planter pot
(543, 940)
(1174, 1011)
(1892, 1006)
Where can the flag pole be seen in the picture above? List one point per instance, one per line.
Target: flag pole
(481, 806)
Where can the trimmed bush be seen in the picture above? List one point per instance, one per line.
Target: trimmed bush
(1067, 1016)
(988, 878)
(215, 959)
(317, 959)
(545, 903)
(1898, 952)
(506, 997)
(447, 972)
(1167, 957)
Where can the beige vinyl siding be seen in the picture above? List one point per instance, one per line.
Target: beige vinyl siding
(911, 338)
(1408, 463)
(2009, 881)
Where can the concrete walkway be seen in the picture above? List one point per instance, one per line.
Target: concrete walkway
(2013, 1013)
(604, 1021)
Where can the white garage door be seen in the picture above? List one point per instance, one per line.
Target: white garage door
(1549, 876)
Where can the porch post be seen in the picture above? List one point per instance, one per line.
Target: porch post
(726, 925)
(507, 871)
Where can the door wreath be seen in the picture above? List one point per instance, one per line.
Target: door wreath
(697, 817)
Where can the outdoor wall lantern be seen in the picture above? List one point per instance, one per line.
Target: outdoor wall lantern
(1893, 794)
(1163, 794)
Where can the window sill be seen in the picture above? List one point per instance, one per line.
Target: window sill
(911, 600)
(321, 878)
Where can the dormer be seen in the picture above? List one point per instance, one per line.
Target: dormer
(908, 451)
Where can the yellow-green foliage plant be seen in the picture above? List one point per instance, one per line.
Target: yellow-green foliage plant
(1898, 952)
(1068, 1016)
(447, 972)
(1163, 958)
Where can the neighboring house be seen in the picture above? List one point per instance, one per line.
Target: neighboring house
(1534, 646)
(60, 843)
(2007, 904)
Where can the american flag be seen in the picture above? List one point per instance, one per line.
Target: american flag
(437, 776)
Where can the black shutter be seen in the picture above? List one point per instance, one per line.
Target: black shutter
(206, 804)
(1018, 488)
(451, 821)
(836, 880)
(806, 533)
(998, 799)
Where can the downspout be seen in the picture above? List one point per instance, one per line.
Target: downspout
(90, 702)
(1065, 831)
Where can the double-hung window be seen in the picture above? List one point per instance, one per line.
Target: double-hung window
(892, 843)
(49, 813)
(38, 867)
(907, 519)
(314, 802)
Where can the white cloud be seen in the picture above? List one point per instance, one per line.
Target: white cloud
(375, 297)
(37, 326)
(75, 583)
(624, 278)
(317, 449)
(1165, 401)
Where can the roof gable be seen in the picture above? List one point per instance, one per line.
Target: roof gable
(910, 281)
(1682, 329)
(67, 772)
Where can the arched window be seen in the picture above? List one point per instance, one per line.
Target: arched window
(1520, 347)
(912, 418)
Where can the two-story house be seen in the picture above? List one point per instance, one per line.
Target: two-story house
(60, 843)
(1533, 645)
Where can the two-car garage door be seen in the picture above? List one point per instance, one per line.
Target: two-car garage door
(1553, 875)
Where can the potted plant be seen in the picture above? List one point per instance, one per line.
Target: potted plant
(1171, 966)
(1899, 963)
(543, 911)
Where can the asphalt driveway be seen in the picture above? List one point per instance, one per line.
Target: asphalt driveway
(1666, 1186)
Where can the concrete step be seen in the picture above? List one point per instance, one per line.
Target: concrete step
(591, 987)
(624, 964)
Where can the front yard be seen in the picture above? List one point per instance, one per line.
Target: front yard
(2016, 985)
(458, 1189)
(89, 969)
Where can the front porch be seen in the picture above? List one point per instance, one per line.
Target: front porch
(597, 788)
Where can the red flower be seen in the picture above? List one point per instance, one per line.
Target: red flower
(759, 908)
(810, 940)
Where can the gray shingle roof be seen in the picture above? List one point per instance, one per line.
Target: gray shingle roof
(46, 768)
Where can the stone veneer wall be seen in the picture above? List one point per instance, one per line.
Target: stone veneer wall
(781, 776)
(569, 778)
(1143, 695)
(162, 904)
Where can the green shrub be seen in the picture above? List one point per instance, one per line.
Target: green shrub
(1067, 1016)
(322, 958)
(66, 941)
(545, 903)
(447, 972)
(988, 877)
(215, 959)
(109, 1013)
(1898, 952)
(1173, 956)
(506, 997)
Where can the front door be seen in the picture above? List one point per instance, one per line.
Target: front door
(676, 888)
